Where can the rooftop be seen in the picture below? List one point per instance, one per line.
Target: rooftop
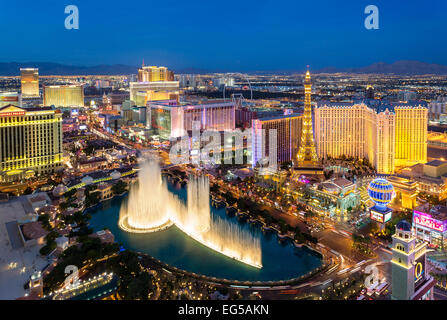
(435, 163)
(438, 212)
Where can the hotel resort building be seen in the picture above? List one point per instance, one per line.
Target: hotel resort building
(175, 119)
(30, 142)
(63, 95)
(390, 138)
(335, 196)
(154, 84)
(287, 140)
(29, 78)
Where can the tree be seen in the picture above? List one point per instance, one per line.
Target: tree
(45, 220)
(48, 248)
(119, 188)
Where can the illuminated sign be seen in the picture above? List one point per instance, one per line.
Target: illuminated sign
(377, 216)
(419, 271)
(388, 216)
(9, 98)
(12, 114)
(427, 221)
(382, 217)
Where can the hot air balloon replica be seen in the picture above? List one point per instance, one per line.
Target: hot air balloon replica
(381, 192)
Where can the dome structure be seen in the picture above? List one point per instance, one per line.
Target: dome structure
(381, 192)
(403, 225)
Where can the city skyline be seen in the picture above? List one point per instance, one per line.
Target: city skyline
(231, 151)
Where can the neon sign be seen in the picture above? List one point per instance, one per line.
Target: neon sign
(377, 216)
(11, 114)
(427, 221)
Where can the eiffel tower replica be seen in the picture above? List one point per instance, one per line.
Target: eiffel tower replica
(307, 159)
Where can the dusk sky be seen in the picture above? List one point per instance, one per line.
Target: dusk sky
(224, 35)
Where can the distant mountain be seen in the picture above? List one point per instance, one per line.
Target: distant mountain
(49, 68)
(404, 67)
(55, 69)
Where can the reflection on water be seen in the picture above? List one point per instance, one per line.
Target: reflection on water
(174, 247)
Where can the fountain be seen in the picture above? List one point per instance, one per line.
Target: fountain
(151, 207)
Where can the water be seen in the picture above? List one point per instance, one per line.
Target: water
(280, 259)
(152, 207)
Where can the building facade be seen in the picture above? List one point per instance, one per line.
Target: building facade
(29, 78)
(63, 95)
(411, 135)
(30, 142)
(345, 130)
(153, 73)
(172, 119)
(389, 139)
(430, 225)
(288, 136)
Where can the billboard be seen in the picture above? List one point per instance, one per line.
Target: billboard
(381, 217)
(426, 220)
(419, 271)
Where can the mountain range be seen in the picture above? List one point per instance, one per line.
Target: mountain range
(404, 67)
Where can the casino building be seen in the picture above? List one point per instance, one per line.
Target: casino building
(63, 95)
(391, 137)
(29, 78)
(410, 278)
(30, 142)
(430, 225)
(173, 119)
(288, 136)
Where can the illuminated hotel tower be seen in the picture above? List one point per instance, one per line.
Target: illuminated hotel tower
(411, 135)
(30, 82)
(389, 139)
(30, 142)
(63, 95)
(307, 154)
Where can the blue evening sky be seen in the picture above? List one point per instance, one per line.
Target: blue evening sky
(224, 35)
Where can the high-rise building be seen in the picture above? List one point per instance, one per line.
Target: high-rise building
(63, 95)
(369, 92)
(288, 131)
(345, 130)
(411, 135)
(307, 154)
(437, 108)
(173, 119)
(30, 82)
(385, 148)
(154, 84)
(389, 139)
(154, 74)
(30, 142)
(410, 278)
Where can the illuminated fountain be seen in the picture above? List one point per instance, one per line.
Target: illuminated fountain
(151, 207)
